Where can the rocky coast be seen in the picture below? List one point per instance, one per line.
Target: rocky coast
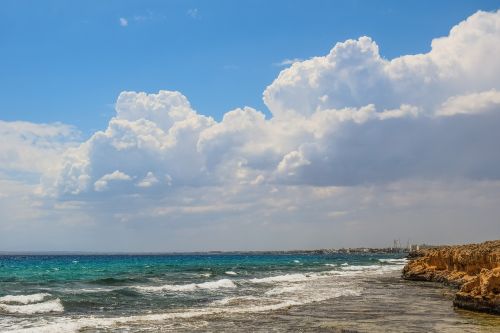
(474, 269)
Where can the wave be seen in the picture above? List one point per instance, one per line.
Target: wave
(231, 273)
(345, 270)
(366, 270)
(62, 325)
(111, 281)
(394, 261)
(54, 305)
(298, 277)
(88, 290)
(361, 267)
(210, 285)
(236, 300)
(229, 305)
(24, 299)
(284, 290)
(291, 278)
(280, 291)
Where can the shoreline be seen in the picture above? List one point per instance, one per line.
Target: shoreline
(331, 294)
(473, 269)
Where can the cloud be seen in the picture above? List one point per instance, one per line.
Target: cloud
(354, 74)
(34, 148)
(123, 22)
(148, 181)
(194, 13)
(151, 133)
(102, 183)
(474, 103)
(345, 119)
(350, 139)
(287, 62)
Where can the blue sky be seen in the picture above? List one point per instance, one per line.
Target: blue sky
(68, 61)
(185, 126)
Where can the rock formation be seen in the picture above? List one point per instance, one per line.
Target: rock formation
(474, 269)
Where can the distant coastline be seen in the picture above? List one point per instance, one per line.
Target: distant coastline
(303, 252)
(360, 250)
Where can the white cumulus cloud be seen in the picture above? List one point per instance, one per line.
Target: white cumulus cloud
(102, 183)
(347, 118)
(471, 103)
(34, 148)
(350, 132)
(354, 74)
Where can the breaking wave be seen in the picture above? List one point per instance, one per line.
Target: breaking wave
(261, 293)
(394, 261)
(23, 299)
(54, 305)
(211, 285)
(283, 278)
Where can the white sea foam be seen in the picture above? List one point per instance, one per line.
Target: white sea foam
(296, 261)
(285, 290)
(331, 265)
(345, 264)
(223, 283)
(394, 261)
(291, 290)
(259, 305)
(24, 299)
(231, 273)
(391, 268)
(63, 325)
(365, 270)
(54, 305)
(361, 267)
(89, 290)
(304, 293)
(345, 270)
(298, 277)
(235, 299)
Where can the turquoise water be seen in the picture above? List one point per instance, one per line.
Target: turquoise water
(223, 293)
(65, 291)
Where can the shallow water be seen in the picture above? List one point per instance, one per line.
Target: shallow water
(224, 292)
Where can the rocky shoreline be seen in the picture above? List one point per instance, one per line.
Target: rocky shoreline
(474, 269)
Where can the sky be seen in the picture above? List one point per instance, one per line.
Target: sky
(248, 125)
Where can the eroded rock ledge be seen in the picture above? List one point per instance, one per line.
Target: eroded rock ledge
(474, 269)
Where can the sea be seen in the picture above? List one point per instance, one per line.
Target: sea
(225, 292)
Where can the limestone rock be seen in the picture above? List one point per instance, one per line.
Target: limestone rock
(473, 268)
